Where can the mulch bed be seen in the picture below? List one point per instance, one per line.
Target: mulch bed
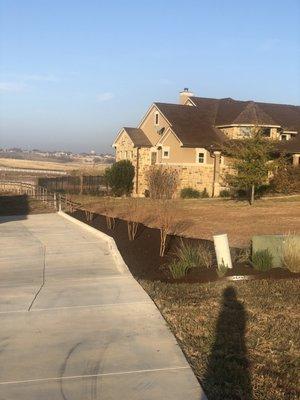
(142, 254)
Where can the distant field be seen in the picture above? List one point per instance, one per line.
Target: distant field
(48, 165)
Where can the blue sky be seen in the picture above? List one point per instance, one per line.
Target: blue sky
(73, 72)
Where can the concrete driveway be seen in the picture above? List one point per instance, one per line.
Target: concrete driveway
(74, 325)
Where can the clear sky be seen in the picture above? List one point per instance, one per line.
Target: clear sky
(73, 72)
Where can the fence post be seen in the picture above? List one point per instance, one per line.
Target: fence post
(54, 201)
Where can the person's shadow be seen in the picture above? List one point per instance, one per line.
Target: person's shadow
(227, 375)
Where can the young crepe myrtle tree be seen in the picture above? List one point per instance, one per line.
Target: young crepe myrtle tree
(133, 212)
(251, 162)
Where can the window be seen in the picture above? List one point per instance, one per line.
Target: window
(156, 118)
(165, 152)
(266, 132)
(201, 158)
(283, 137)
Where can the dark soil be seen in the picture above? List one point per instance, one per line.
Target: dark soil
(142, 254)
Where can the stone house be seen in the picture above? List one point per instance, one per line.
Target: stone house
(188, 137)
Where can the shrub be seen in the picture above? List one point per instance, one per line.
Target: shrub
(225, 193)
(262, 260)
(262, 190)
(284, 179)
(162, 182)
(189, 193)
(204, 194)
(290, 255)
(178, 269)
(120, 177)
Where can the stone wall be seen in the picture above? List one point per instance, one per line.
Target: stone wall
(198, 177)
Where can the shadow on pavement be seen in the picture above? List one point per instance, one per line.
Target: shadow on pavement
(14, 205)
(227, 375)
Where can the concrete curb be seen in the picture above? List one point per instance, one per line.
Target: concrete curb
(122, 267)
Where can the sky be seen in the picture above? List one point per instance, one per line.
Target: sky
(73, 72)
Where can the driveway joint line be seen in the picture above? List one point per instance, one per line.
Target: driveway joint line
(43, 281)
(139, 371)
(83, 306)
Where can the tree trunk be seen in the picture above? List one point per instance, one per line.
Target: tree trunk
(252, 195)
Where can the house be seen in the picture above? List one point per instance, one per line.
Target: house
(188, 137)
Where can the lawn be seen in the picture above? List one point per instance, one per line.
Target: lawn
(241, 339)
(203, 218)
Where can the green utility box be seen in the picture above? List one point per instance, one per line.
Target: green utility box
(275, 243)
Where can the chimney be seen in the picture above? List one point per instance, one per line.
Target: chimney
(184, 95)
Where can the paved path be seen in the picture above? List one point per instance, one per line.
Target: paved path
(75, 326)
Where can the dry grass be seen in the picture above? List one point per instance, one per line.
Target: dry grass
(290, 254)
(247, 349)
(49, 165)
(202, 218)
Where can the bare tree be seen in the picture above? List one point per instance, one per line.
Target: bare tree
(132, 217)
(165, 219)
(89, 215)
(162, 182)
(108, 212)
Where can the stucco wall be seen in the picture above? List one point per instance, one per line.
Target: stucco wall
(149, 127)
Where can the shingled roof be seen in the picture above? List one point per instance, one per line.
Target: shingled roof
(193, 127)
(198, 126)
(138, 137)
(229, 111)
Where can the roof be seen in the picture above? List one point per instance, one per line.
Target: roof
(138, 137)
(229, 111)
(192, 126)
(291, 146)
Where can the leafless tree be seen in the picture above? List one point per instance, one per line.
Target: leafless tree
(162, 182)
(165, 219)
(133, 217)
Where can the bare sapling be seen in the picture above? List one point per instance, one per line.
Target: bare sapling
(108, 209)
(165, 223)
(132, 212)
(89, 215)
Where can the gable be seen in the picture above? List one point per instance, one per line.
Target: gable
(123, 139)
(154, 131)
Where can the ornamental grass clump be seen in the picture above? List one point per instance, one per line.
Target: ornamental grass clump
(189, 256)
(178, 269)
(291, 254)
(262, 260)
